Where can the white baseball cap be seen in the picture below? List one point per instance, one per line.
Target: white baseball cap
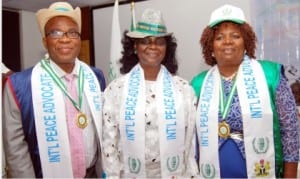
(227, 13)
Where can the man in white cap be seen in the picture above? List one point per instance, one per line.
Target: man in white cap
(52, 111)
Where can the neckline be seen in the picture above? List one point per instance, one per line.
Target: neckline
(229, 78)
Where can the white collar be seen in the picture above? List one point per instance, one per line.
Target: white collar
(61, 73)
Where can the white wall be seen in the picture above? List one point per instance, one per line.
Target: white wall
(32, 49)
(186, 18)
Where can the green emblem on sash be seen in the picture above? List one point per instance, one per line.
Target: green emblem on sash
(260, 145)
(134, 165)
(173, 163)
(208, 170)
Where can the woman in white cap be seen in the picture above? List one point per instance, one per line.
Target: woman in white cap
(247, 124)
(149, 112)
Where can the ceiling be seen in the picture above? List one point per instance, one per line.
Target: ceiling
(35, 5)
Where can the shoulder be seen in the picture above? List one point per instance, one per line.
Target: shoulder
(87, 66)
(96, 70)
(25, 72)
(270, 65)
(22, 76)
(199, 77)
(272, 70)
(116, 85)
(197, 82)
(180, 81)
(98, 73)
(183, 85)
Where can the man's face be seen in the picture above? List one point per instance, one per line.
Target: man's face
(62, 40)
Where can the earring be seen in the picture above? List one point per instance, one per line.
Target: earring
(212, 54)
(46, 56)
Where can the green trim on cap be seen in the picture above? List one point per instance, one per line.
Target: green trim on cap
(151, 29)
(63, 9)
(238, 21)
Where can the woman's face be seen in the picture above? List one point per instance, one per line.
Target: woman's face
(151, 51)
(228, 45)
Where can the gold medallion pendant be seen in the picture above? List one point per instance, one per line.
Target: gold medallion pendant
(81, 120)
(224, 129)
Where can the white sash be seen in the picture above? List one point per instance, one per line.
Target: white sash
(257, 121)
(50, 119)
(207, 125)
(171, 124)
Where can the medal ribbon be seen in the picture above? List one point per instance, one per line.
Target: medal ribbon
(224, 107)
(61, 85)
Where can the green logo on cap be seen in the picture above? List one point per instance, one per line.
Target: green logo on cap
(227, 11)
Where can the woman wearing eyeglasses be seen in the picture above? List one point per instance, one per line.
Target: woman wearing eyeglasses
(52, 112)
(149, 120)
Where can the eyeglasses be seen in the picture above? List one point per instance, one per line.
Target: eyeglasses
(56, 34)
(159, 41)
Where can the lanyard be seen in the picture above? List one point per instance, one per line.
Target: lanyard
(61, 85)
(224, 104)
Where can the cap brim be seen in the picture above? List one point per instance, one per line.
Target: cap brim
(238, 21)
(136, 34)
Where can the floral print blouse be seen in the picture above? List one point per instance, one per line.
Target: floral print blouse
(113, 161)
(285, 106)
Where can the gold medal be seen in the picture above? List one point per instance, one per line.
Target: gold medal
(224, 129)
(81, 120)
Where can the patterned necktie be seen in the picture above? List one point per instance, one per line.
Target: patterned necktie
(75, 133)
